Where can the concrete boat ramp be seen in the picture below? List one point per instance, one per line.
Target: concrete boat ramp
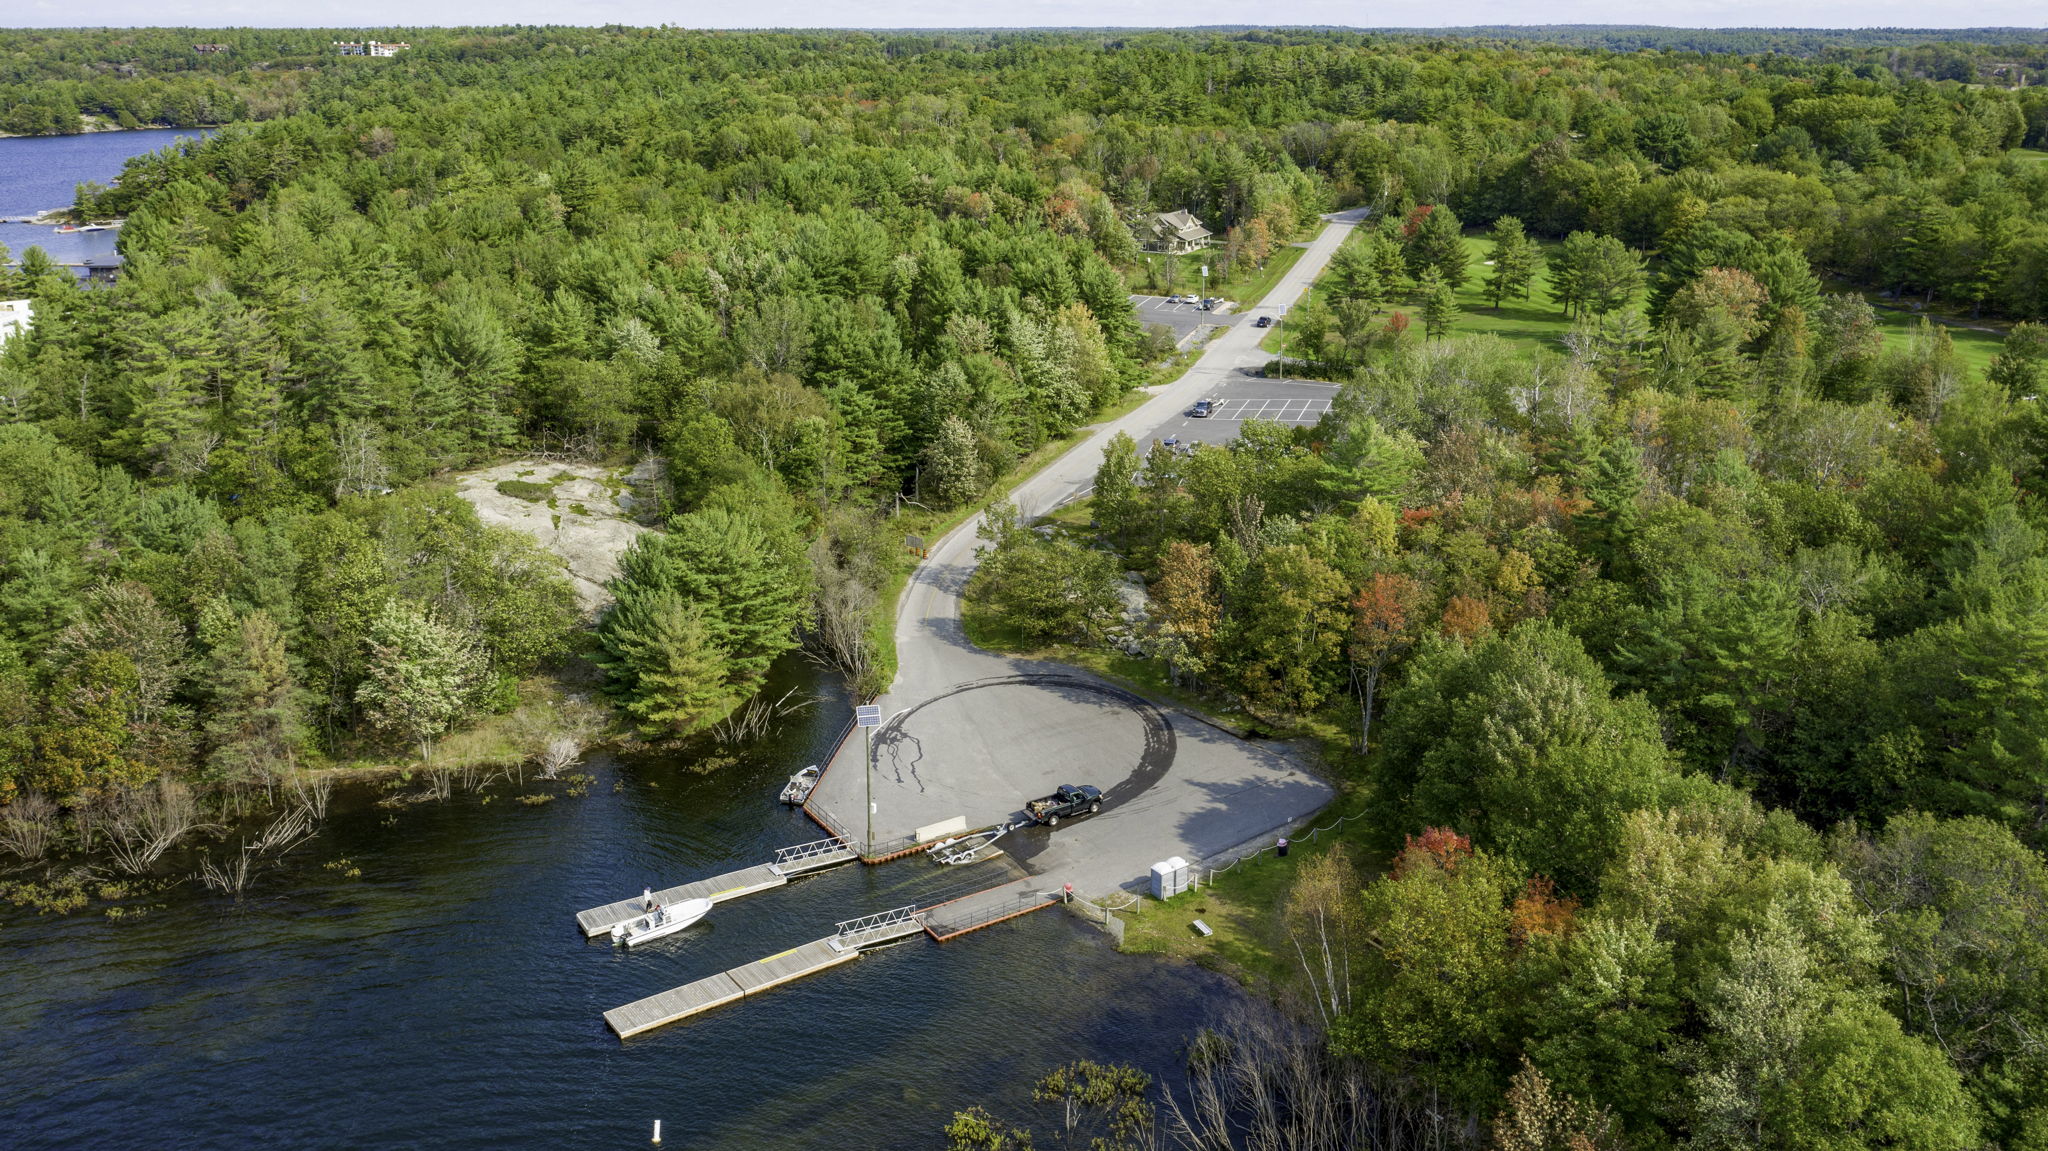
(790, 862)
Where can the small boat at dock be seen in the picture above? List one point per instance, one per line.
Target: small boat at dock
(798, 789)
(660, 921)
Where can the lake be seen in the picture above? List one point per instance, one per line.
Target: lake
(42, 172)
(445, 997)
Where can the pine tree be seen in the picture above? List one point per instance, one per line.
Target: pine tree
(1515, 262)
(256, 721)
(1439, 305)
(1438, 243)
(681, 677)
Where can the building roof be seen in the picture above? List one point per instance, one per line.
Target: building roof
(1181, 225)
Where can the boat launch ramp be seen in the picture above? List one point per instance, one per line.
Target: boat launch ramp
(790, 862)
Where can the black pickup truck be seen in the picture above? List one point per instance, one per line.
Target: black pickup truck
(1067, 801)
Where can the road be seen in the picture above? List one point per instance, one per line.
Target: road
(973, 734)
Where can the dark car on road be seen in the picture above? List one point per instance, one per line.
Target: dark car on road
(1263, 322)
(1202, 409)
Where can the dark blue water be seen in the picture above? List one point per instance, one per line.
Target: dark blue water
(446, 999)
(43, 172)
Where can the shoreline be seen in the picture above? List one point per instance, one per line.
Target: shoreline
(101, 127)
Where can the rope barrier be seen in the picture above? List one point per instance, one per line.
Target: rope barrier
(1309, 838)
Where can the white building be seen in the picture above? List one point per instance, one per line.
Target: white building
(15, 318)
(369, 48)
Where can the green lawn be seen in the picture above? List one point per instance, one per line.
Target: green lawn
(1538, 323)
(2030, 155)
(1535, 322)
(1973, 347)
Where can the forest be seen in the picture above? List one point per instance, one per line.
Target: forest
(1687, 667)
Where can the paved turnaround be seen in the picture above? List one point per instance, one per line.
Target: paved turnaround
(972, 734)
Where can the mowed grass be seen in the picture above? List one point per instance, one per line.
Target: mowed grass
(1538, 323)
(1974, 348)
(2030, 155)
(1244, 906)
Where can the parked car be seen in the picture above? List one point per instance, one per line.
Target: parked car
(1202, 409)
(1263, 322)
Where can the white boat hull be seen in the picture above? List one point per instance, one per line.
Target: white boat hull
(659, 925)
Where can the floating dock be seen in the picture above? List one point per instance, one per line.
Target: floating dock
(843, 946)
(790, 862)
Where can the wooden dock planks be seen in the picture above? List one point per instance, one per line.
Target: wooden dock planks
(717, 889)
(720, 989)
(676, 1003)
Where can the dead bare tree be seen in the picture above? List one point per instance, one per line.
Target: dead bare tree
(145, 822)
(228, 877)
(231, 875)
(753, 719)
(561, 753)
(1261, 1081)
(28, 826)
(312, 791)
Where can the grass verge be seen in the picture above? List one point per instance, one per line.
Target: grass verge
(1243, 906)
(1245, 287)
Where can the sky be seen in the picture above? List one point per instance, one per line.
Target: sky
(1017, 13)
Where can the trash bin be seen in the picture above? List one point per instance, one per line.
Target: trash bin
(1283, 847)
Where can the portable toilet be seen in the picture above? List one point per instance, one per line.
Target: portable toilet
(1180, 874)
(1163, 880)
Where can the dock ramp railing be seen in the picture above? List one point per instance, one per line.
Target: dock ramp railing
(803, 853)
(882, 926)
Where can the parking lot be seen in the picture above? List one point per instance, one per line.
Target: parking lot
(1245, 397)
(1182, 318)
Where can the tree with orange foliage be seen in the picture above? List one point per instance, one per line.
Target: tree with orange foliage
(1538, 912)
(1466, 618)
(1382, 627)
(1186, 608)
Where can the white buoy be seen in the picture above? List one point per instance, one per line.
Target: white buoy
(657, 1132)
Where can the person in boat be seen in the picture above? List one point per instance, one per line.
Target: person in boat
(647, 899)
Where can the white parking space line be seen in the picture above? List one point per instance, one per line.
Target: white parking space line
(1292, 410)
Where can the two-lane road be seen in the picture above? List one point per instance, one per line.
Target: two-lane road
(974, 733)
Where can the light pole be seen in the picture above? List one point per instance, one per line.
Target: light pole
(868, 717)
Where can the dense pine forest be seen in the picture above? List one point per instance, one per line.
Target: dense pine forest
(1689, 666)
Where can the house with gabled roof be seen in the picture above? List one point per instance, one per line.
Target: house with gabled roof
(1178, 232)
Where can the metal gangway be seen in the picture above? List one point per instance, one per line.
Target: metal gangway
(812, 856)
(881, 927)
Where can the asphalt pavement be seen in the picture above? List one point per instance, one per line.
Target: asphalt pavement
(974, 734)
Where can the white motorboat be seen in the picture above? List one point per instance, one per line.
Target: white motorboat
(660, 921)
(798, 789)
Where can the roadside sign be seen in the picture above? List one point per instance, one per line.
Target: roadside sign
(867, 716)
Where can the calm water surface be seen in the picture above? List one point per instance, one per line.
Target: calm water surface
(42, 172)
(445, 998)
